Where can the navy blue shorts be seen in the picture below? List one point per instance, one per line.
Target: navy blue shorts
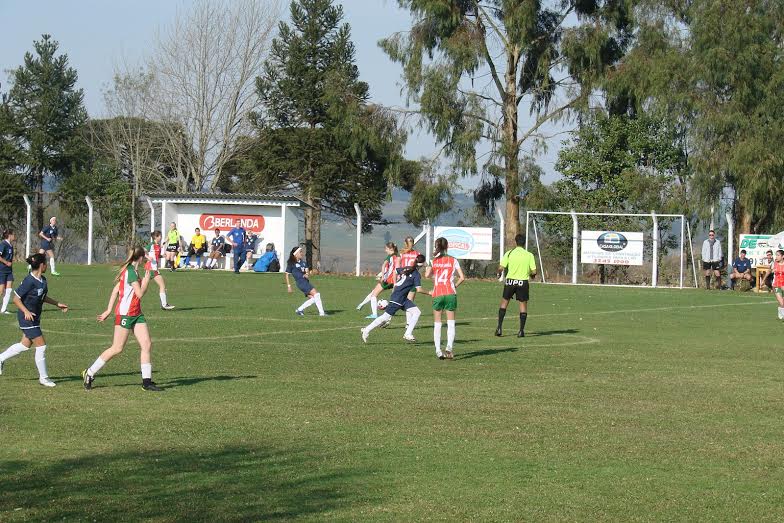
(32, 333)
(305, 286)
(47, 246)
(393, 307)
(6, 277)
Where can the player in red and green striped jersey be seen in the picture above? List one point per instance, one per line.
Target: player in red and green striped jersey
(128, 317)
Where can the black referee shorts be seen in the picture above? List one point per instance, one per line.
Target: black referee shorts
(517, 289)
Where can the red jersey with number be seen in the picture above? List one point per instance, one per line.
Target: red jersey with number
(444, 268)
(409, 258)
(389, 269)
(129, 304)
(778, 274)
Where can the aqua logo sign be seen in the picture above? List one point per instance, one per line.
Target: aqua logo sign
(461, 243)
(612, 242)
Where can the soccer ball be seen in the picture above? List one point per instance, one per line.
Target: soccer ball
(382, 304)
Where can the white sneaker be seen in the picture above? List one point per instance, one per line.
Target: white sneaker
(167, 307)
(46, 382)
(439, 355)
(364, 335)
(409, 337)
(5, 312)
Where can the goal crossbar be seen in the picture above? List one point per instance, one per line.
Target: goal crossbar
(653, 215)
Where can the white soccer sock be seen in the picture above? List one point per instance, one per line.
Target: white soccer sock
(146, 371)
(450, 334)
(319, 305)
(437, 336)
(412, 317)
(366, 300)
(51, 265)
(781, 313)
(13, 350)
(95, 367)
(378, 321)
(308, 303)
(374, 305)
(6, 298)
(40, 361)
(164, 301)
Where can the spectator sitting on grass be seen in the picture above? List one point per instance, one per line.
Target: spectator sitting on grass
(741, 269)
(268, 262)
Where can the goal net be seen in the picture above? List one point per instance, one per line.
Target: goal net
(618, 249)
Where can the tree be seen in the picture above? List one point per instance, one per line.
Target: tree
(12, 182)
(318, 134)
(470, 64)
(201, 78)
(46, 114)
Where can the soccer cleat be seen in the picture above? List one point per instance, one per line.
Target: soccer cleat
(359, 307)
(521, 334)
(151, 386)
(364, 335)
(371, 316)
(325, 314)
(5, 312)
(299, 312)
(87, 380)
(440, 355)
(54, 273)
(167, 307)
(498, 332)
(448, 355)
(46, 382)
(410, 338)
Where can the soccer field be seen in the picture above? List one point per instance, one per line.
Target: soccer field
(620, 404)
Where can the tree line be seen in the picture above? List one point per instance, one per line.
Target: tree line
(671, 105)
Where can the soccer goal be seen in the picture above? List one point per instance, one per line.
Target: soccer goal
(613, 249)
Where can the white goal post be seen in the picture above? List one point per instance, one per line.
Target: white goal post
(685, 229)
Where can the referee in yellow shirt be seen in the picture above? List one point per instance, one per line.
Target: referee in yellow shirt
(520, 266)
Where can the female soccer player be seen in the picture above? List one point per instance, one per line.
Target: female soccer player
(298, 268)
(172, 246)
(408, 279)
(386, 279)
(216, 249)
(6, 269)
(48, 236)
(778, 281)
(443, 268)
(408, 257)
(29, 300)
(128, 317)
(153, 258)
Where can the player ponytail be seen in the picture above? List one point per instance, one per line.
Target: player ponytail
(420, 261)
(36, 260)
(392, 247)
(292, 259)
(441, 247)
(136, 254)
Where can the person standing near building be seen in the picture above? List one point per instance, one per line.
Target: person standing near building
(711, 259)
(48, 236)
(172, 246)
(237, 238)
(520, 267)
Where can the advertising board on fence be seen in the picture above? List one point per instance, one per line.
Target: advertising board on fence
(611, 247)
(468, 243)
(756, 245)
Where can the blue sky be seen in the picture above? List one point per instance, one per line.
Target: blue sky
(97, 34)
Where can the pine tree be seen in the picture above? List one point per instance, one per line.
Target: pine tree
(46, 112)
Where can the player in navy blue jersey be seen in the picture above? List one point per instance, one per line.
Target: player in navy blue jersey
(48, 236)
(237, 238)
(29, 299)
(216, 250)
(6, 269)
(298, 269)
(408, 279)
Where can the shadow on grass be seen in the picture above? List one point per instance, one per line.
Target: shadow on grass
(238, 483)
(550, 333)
(484, 352)
(180, 309)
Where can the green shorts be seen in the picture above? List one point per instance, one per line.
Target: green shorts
(386, 285)
(445, 303)
(778, 291)
(127, 322)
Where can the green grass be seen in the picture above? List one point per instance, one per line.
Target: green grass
(621, 404)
